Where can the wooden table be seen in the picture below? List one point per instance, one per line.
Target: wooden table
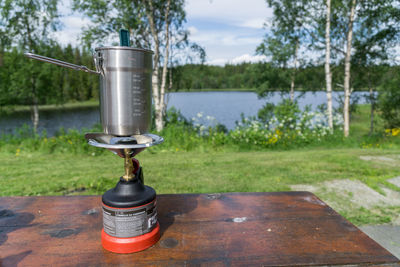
(234, 229)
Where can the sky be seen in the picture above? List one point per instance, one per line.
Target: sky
(229, 30)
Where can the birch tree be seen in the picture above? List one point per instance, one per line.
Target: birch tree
(150, 24)
(328, 73)
(372, 28)
(347, 66)
(353, 29)
(374, 47)
(286, 35)
(26, 25)
(340, 16)
(159, 87)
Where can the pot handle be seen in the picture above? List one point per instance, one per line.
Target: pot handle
(61, 63)
(98, 62)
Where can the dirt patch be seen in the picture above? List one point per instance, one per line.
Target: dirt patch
(305, 187)
(394, 160)
(377, 158)
(358, 193)
(358, 200)
(395, 181)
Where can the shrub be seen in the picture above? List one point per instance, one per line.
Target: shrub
(284, 125)
(389, 102)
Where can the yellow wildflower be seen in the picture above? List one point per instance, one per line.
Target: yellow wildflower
(273, 140)
(395, 131)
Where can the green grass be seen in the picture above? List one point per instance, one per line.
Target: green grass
(360, 121)
(218, 90)
(72, 105)
(199, 167)
(376, 215)
(34, 173)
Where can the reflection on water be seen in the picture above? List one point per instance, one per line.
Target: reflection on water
(52, 121)
(225, 107)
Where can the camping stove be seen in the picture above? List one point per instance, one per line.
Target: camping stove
(129, 209)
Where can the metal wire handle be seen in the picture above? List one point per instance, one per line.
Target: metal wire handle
(61, 63)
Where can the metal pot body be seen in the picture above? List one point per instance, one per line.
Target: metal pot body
(125, 89)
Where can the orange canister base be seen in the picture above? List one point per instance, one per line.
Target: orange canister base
(130, 244)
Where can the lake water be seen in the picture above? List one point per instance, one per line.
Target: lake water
(223, 107)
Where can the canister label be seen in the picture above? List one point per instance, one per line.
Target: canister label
(129, 222)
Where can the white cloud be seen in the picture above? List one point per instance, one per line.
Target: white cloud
(192, 30)
(232, 11)
(76, 22)
(257, 23)
(248, 58)
(227, 29)
(226, 38)
(237, 60)
(217, 61)
(71, 30)
(397, 54)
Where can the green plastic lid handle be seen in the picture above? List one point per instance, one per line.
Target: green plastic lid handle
(124, 37)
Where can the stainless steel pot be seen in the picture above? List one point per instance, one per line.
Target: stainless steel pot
(125, 87)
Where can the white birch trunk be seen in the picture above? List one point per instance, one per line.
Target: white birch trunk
(347, 66)
(162, 106)
(156, 58)
(170, 80)
(328, 73)
(158, 88)
(372, 102)
(294, 72)
(35, 102)
(371, 97)
(35, 114)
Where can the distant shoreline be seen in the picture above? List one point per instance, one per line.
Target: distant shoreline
(216, 90)
(94, 103)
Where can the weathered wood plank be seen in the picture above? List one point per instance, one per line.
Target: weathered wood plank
(234, 229)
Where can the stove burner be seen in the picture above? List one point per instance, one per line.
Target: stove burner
(120, 144)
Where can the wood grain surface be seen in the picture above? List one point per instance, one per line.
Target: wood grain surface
(232, 229)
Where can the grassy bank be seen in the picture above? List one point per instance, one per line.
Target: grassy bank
(190, 172)
(54, 107)
(33, 173)
(188, 163)
(217, 90)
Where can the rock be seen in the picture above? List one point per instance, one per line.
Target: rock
(358, 193)
(395, 181)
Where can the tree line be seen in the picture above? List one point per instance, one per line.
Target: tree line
(26, 26)
(265, 76)
(352, 44)
(338, 32)
(53, 84)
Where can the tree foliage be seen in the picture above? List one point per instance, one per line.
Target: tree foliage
(389, 98)
(155, 25)
(362, 36)
(56, 85)
(285, 38)
(25, 26)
